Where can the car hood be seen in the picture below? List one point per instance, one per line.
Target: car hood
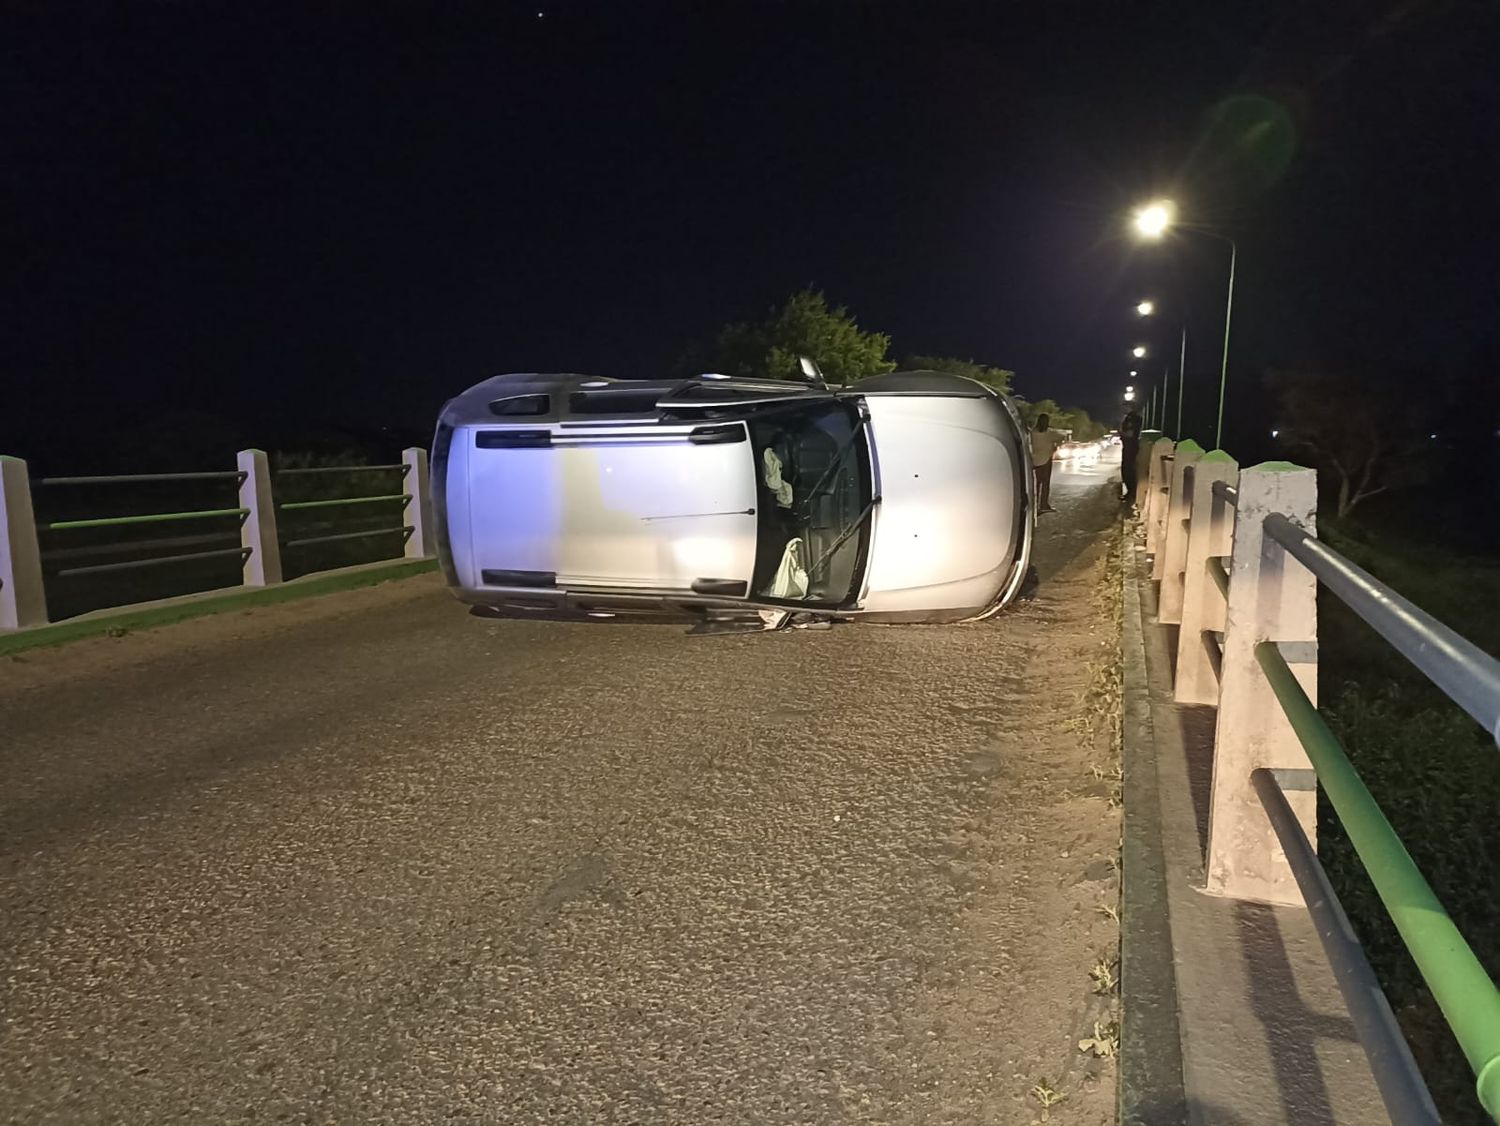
(945, 533)
(635, 514)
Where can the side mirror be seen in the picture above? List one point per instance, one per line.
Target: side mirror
(811, 372)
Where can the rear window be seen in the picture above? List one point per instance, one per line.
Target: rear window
(521, 405)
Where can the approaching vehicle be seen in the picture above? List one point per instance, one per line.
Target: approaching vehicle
(738, 503)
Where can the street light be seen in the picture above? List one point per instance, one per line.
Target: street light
(1152, 221)
(1138, 351)
(1146, 308)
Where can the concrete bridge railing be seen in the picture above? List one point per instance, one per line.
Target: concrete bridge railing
(1239, 565)
(23, 600)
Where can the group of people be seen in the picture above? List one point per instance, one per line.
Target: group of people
(1044, 443)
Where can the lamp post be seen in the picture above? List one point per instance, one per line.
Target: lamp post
(1145, 309)
(1152, 221)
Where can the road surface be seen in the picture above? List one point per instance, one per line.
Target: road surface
(367, 859)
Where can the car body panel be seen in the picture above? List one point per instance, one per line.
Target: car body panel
(614, 512)
(943, 538)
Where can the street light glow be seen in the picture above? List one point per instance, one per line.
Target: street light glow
(1146, 308)
(1131, 387)
(1152, 220)
(1138, 351)
(1129, 396)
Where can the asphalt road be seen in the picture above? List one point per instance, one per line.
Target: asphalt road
(371, 860)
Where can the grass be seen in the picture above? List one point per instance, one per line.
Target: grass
(1103, 976)
(117, 623)
(1434, 772)
(1048, 1096)
(1105, 1042)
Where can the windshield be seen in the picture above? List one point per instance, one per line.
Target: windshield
(812, 467)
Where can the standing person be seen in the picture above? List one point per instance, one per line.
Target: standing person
(1044, 443)
(1130, 448)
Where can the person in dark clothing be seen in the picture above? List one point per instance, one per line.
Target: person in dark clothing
(1130, 448)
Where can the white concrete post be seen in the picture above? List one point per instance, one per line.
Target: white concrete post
(23, 600)
(1173, 557)
(258, 526)
(420, 544)
(1156, 509)
(1143, 473)
(1272, 597)
(1210, 536)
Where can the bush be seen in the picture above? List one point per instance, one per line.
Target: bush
(1436, 775)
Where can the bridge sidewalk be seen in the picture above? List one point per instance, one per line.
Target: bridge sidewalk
(1232, 1015)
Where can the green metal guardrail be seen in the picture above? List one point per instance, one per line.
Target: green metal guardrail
(1459, 983)
(148, 518)
(299, 470)
(344, 502)
(1463, 990)
(77, 542)
(336, 501)
(240, 553)
(236, 475)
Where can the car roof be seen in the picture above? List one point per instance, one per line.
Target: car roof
(528, 398)
(535, 398)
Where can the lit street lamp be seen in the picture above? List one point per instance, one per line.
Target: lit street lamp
(1138, 351)
(1147, 308)
(1151, 222)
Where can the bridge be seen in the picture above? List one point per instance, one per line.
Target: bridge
(361, 857)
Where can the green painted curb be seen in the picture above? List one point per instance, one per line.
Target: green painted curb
(200, 606)
(1188, 446)
(1217, 457)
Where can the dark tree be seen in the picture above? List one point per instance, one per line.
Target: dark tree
(804, 326)
(1370, 438)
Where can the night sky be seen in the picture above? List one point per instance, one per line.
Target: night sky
(255, 222)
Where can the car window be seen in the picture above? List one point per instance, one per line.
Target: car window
(812, 466)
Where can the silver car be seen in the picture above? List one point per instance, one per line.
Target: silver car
(737, 503)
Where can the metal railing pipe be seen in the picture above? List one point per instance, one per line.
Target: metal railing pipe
(404, 530)
(339, 469)
(1469, 675)
(1226, 492)
(111, 478)
(95, 568)
(1402, 1088)
(148, 518)
(164, 543)
(337, 501)
(1463, 990)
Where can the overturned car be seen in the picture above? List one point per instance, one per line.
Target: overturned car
(736, 503)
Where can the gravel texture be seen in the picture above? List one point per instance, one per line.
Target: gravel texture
(370, 860)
